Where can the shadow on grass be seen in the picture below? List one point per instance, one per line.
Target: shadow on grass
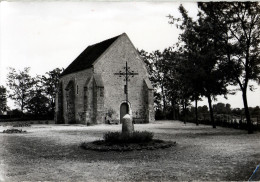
(24, 150)
(197, 128)
(204, 134)
(244, 171)
(184, 129)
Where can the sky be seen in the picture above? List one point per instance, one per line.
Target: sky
(46, 35)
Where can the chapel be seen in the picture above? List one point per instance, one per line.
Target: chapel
(93, 88)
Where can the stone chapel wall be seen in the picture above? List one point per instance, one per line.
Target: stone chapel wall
(98, 103)
(79, 79)
(114, 61)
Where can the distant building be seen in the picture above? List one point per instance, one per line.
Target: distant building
(91, 93)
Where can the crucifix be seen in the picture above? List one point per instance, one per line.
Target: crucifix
(126, 74)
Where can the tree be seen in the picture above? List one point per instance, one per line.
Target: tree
(203, 109)
(149, 62)
(156, 65)
(162, 68)
(228, 108)
(173, 79)
(38, 103)
(238, 27)
(189, 76)
(3, 105)
(221, 108)
(256, 111)
(160, 76)
(236, 111)
(20, 85)
(189, 81)
(203, 71)
(50, 83)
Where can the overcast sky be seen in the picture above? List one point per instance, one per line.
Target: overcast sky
(47, 35)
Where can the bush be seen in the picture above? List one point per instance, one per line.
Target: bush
(14, 131)
(136, 137)
(102, 146)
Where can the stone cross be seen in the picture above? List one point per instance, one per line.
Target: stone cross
(126, 74)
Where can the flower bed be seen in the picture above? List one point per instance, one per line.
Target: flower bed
(116, 141)
(103, 146)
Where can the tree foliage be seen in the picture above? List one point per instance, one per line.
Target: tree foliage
(218, 48)
(161, 69)
(20, 85)
(35, 94)
(38, 103)
(202, 71)
(238, 40)
(50, 83)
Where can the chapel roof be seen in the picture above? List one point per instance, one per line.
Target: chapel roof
(89, 56)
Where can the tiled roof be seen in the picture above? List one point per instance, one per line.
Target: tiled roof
(88, 56)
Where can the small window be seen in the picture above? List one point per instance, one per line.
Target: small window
(77, 89)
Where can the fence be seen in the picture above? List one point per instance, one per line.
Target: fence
(228, 120)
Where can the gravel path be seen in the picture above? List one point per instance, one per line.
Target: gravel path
(52, 153)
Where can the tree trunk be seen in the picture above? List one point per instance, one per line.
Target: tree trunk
(184, 112)
(173, 110)
(22, 106)
(249, 124)
(211, 112)
(178, 112)
(196, 111)
(164, 103)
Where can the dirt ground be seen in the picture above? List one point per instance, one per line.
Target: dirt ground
(52, 153)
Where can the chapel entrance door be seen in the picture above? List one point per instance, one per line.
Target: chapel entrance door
(124, 109)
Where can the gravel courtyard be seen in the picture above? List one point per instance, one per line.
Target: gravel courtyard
(52, 153)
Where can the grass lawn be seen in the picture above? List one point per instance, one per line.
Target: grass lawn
(52, 153)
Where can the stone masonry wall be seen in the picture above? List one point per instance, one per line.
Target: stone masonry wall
(150, 114)
(113, 61)
(88, 111)
(98, 103)
(79, 79)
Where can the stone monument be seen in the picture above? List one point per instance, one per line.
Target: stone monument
(127, 125)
